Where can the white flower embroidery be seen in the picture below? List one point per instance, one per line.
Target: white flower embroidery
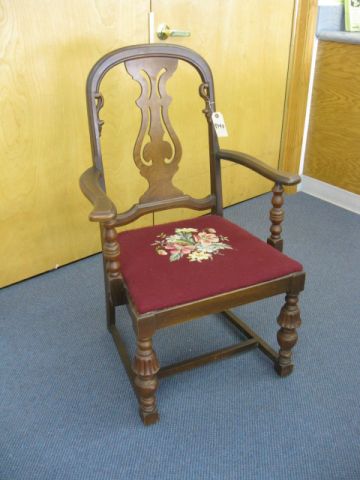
(198, 256)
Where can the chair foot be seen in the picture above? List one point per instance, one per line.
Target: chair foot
(289, 320)
(283, 371)
(149, 418)
(145, 368)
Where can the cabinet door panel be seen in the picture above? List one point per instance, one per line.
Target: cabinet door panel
(47, 52)
(247, 45)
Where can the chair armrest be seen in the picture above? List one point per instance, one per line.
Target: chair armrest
(260, 167)
(104, 209)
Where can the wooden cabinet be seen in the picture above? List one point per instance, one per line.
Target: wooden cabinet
(333, 148)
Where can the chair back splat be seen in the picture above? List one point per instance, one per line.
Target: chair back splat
(179, 271)
(158, 160)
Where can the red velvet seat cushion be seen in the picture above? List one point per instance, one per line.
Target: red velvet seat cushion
(236, 260)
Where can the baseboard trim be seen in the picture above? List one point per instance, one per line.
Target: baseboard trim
(338, 196)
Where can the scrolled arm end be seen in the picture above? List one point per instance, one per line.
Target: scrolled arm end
(104, 209)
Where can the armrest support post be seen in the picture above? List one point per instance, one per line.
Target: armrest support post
(111, 251)
(276, 217)
(280, 179)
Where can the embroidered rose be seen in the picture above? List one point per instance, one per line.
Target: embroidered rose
(181, 248)
(190, 243)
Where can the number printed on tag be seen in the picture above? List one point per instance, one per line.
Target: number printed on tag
(219, 124)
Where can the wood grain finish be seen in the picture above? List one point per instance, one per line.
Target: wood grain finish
(157, 160)
(250, 91)
(302, 39)
(47, 51)
(333, 149)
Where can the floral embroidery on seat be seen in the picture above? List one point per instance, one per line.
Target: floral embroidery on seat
(190, 243)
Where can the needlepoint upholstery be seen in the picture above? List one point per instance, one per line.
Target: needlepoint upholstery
(215, 256)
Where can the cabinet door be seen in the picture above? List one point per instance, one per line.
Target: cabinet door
(247, 46)
(47, 49)
(332, 153)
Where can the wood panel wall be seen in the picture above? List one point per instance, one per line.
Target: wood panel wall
(333, 149)
(302, 40)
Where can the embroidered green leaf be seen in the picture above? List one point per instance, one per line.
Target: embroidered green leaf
(175, 256)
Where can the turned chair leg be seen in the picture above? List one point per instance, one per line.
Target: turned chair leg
(111, 252)
(289, 320)
(145, 368)
(110, 314)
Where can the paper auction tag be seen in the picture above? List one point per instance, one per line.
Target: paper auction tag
(219, 124)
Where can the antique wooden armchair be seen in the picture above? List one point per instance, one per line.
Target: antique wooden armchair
(224, 265)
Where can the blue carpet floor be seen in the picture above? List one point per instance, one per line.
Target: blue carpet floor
(68, 411)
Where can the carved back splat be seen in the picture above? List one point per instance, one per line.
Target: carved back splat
(157, 159)
(157, 150)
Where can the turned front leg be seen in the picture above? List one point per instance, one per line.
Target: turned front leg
(111, 251)
(276, 217)
(289, 320)
(145, 367)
